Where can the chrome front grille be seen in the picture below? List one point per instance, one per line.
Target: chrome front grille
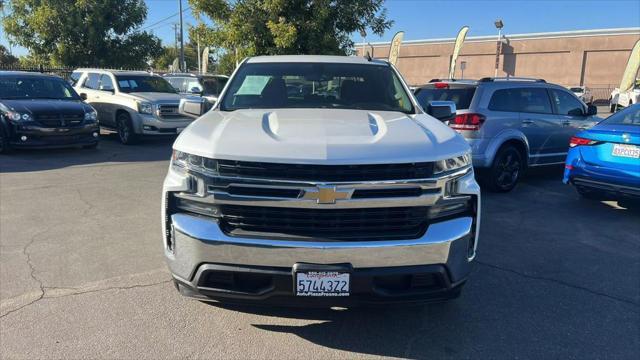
(169, 111)
(334, 211)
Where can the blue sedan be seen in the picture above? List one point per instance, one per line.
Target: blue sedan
(605, 160)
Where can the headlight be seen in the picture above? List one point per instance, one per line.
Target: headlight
(90, 116)
(17, 117)
(452, 164)
(182, 161)
(145, 108)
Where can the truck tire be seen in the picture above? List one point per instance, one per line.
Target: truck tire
(505, 172)
(124, 126)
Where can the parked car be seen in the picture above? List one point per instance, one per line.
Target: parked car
(134, 103)
(43, 111)
(322, 199)
(605, 160)
(583, 93)
(625, 99)
(512, 124)
(205, 85)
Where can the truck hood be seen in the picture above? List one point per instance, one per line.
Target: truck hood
(155, 97)
(320, 136)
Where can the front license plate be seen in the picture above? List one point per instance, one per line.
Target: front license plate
(628, 151)
(179, 130)
(322, 283)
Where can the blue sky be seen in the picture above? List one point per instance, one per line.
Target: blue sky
(423, 19)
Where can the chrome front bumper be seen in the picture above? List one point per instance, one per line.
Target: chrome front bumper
(197, 241)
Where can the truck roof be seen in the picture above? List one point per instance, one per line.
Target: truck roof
(315, 59)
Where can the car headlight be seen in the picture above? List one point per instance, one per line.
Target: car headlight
(182, 161)
(145, 108)
(18, 117)
(91, 115)
(452, 164)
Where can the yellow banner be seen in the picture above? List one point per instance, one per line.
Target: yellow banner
(456, 50)
(394, 52)
(630, 73)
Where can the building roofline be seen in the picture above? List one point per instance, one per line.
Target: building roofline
(528, 36)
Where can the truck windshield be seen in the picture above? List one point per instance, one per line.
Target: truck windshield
(316, 85)
(143, 83)
(32, 87)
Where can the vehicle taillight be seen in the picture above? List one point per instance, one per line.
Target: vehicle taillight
(577, 141)
(469, 121)
(442, 85)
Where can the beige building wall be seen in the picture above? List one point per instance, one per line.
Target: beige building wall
(595, 58)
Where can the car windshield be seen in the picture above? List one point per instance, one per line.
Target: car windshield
(576, 89)
(628, 116)
(461, 96)
(34, 87)
(316, 85)
(143, 83)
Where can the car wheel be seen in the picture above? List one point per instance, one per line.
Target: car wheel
(125, 129)
(505, 170)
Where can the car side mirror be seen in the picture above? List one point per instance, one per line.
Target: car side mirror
(83, 96)
(193, 107)
(196, 90)
(592, 110)
(442, 110)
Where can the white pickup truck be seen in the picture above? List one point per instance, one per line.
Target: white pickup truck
(319, 180)
(625, 99)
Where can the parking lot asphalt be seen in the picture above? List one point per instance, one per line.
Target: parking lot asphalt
(82, 276)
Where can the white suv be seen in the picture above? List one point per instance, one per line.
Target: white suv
(132, 102)
(320, 180)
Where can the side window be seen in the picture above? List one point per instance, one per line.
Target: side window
(106, 83)
(177, 83)
(504, 100)
(92, 81)
(566, 104)
(534, 100)
(75, 76)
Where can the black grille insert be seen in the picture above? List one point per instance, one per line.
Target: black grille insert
(372, 172)
(59, 120)
(332, 224)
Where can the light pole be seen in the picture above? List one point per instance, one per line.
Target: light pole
(363, 33)
(182, 64)
(499, 25)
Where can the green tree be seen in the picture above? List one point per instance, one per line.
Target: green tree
(83, 32)
(170, 53)
(273, 27)
(6, 58)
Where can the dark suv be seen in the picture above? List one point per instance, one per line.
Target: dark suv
(43, 111)
(207, 86)
(511, 123)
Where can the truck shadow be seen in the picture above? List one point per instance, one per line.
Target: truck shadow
(110, 150)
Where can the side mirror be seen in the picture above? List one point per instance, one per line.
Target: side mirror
(192, 107)
(196, 90)
(83, 96)
(442, 110)
(592, 110)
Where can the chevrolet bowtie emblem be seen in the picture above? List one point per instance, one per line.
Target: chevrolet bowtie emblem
(327, 194)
